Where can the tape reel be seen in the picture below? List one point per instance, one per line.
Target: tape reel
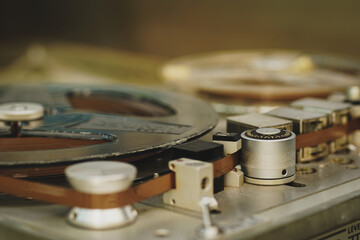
(84, 123)
(271, 75)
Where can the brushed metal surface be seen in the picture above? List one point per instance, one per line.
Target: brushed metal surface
(268, 159)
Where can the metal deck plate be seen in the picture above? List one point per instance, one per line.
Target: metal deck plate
(330, 199)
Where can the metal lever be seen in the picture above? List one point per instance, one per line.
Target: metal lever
(209, 230)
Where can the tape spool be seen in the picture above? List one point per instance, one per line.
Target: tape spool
(85, 123)
(262, 75)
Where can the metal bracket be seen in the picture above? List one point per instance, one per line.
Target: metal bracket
(235, 178)
(194, 180)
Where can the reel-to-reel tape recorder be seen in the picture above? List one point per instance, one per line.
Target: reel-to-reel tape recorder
(122, 162)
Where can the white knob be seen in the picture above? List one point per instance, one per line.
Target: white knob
(21, 111)
(101, 177)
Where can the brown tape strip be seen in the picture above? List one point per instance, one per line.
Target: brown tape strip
(68, 197)
(326, 135)
(10, 144)
(64, 196)
(225, 164)
(38, 171)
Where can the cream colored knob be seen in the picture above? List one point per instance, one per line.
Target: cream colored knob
(21, 111)
(101, 177)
